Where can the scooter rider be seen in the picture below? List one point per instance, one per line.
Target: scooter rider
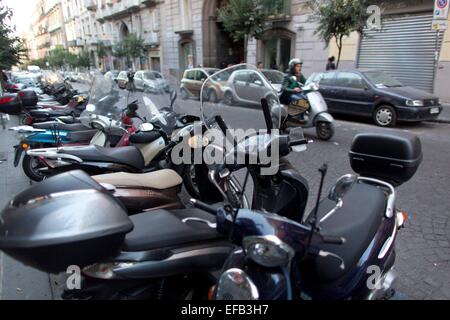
(291, 89)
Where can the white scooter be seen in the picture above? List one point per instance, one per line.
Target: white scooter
(314, 110)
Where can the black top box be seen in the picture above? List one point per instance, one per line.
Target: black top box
(393, 158)
(50, 228)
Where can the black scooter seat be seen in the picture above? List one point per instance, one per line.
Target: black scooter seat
(165, 229)
(145, 137)
(357, 221)
(53, 113)
(130, 156)
(61, 126)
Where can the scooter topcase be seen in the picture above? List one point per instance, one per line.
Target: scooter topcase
(66, 220)
(391, 158)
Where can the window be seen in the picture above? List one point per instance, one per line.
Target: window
(242, 76)
(190, 75)
(327, 78)
(185, 14)
(350, 80)
(200, 75)
(138, 75)
(155, 20)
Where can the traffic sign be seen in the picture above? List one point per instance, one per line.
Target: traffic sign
(441, 9)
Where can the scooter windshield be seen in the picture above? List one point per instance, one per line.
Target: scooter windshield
(51, 77)
(247, 102)
(106, 105)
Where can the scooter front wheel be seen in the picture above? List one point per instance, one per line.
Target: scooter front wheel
(324, 130)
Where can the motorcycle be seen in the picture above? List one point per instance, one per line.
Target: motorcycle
(162, 254)
(314, 110)
(334, 251)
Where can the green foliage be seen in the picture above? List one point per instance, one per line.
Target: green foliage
(101, 51)
(83, 59)
(119, 50)
(244, 19)
(339, 18)
(57, 57)
(134, 46)
(41, 63)
(12, 48)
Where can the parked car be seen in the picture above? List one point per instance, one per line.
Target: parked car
(275, 78)
(247, 87)
(113, 74)
(375, 94)
(216, 87)
(122, 79)
(150, 81)
(192, 81)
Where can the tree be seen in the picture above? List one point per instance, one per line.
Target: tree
(134, 46)
(337, 19)
(101, 52)
(244, 19)
(12, 48)
(57, 57)
(72, 59)
(83, 59)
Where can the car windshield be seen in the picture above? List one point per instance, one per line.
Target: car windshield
(275, 77)
(382, 80)
(149, 76)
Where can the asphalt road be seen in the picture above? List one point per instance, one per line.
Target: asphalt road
(423, 249)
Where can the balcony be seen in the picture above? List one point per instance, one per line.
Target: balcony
(151, 39)
(90, 5)
(120, 9)
(278, 10)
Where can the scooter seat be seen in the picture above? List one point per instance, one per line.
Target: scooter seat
(161, 179)
(145, 137)
(357, 221)
(60, 126)
(130, 156)
(165, 229)
(50, 112)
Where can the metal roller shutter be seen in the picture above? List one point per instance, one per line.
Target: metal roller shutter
(404, 48)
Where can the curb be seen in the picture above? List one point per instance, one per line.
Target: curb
(444, 120)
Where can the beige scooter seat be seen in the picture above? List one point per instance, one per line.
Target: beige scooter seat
(161, 179)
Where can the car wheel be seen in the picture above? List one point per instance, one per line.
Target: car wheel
(212, 96)
(228, 98)
(324, 130)
(183, 93)
(385, 116)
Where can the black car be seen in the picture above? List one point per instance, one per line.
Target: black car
(375, 94)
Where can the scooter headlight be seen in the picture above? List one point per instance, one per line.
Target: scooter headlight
(268, 251)
(235, 284)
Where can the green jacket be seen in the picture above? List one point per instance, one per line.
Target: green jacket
(290, 84)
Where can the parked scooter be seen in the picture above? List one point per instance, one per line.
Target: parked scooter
(170, 254)
(314, 111)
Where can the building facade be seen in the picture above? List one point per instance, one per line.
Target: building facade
(47, 28)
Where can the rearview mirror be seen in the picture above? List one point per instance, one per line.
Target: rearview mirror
(343, 185)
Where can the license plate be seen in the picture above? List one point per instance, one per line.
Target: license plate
(434, 110)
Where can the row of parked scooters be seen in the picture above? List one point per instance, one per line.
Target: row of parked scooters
(111, 207)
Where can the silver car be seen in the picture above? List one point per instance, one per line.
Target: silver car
(152, 81)
(247, 87)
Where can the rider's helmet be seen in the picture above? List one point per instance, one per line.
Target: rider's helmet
(293, 63)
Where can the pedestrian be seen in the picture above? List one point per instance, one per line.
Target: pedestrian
(260, 65)
(330, 65)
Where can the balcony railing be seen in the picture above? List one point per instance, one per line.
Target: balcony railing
(119, 8)
(279, 10)
(151, 39)
(90, 5)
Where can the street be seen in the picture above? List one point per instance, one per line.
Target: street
(423, 249)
